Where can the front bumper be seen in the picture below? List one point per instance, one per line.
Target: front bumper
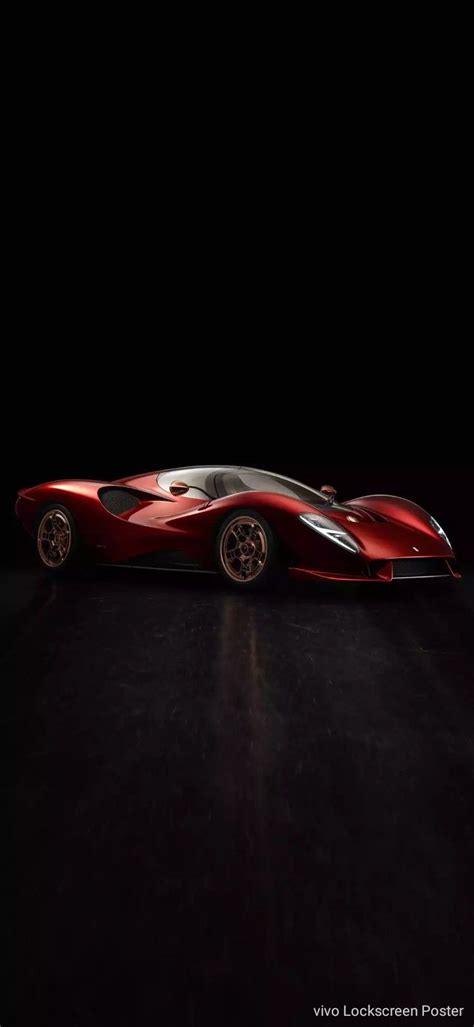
(411, 567)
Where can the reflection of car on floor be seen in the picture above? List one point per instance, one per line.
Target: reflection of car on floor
(241, 521)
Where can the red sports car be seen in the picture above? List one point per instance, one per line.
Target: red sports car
(246, 523)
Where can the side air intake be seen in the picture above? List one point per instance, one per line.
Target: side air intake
(117, 500)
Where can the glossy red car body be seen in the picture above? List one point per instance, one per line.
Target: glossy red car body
(160, 529)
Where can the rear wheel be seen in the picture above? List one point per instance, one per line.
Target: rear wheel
(247, 550)
(56, 538)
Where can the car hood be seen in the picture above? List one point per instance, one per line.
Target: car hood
(381, 538)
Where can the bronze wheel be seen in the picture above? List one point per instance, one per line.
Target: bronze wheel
(246, 548)
(55, 537)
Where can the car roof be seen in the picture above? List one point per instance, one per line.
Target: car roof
(239, 467)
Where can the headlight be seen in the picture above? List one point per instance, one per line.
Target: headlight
(437, 527)
(330, 530)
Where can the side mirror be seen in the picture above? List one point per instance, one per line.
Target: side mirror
(179, 488)
(329, 492)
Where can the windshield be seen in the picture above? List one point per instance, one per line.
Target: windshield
(217, 482)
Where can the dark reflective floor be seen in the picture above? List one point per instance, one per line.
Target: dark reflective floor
(233, 808)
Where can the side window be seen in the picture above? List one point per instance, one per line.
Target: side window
(227, 483)
(266, 483)
(199, 479)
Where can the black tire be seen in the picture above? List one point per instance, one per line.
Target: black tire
(64, 555)
(265, 551)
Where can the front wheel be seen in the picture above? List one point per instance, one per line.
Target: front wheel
(56, 538)
(246, 549)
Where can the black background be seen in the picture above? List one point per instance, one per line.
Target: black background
(314, 309)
